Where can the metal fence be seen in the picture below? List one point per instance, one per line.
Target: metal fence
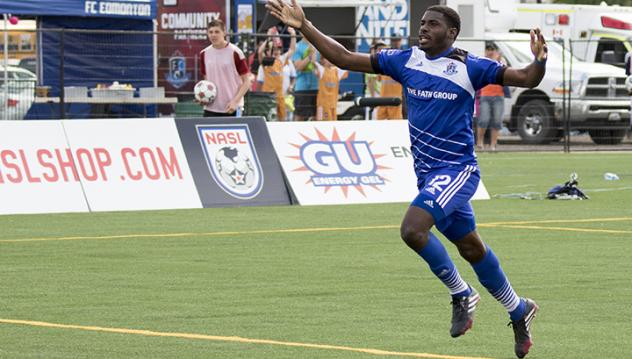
(580, 105)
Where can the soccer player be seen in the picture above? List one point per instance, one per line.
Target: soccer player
(440, 83)
(225, 65)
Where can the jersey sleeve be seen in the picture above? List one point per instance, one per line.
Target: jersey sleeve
(240, 63)
(390, 62)
(202, 65)
(483, 71)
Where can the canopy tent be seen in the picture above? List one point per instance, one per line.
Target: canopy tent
(82, 43)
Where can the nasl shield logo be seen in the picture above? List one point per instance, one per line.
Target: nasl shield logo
(232, 159)
(178, 75)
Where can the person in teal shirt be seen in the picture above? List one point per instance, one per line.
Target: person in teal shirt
(306, 86)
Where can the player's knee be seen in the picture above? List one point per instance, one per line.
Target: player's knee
(415, 237)
(471, 247)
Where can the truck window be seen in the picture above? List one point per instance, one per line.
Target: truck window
(607, 44)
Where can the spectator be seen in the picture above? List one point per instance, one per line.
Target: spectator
(289, 80)
(270, 74)
(396, 43)
(328, 86)
(491, 106)
(225, 65)
(306, 87)
(389, 88)
(372, 85)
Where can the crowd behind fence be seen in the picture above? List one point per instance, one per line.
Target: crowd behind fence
(579, 104)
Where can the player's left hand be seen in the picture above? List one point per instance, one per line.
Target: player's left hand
(538, 45)
(231, 107)
(290, 13)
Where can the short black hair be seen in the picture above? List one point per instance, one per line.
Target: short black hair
(454, 20)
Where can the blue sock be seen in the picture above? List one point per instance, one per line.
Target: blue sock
(441, 265)
(492, 277)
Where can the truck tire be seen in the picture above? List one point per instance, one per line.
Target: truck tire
(607, 136)
(535, 122)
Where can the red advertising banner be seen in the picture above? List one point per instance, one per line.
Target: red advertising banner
(182, 35)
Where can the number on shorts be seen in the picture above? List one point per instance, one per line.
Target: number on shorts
(439, 182)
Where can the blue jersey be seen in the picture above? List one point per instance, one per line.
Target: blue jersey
(440, 92)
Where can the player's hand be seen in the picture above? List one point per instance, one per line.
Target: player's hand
(231, 107)
(538, 45)
(201, 103)
(290, 14)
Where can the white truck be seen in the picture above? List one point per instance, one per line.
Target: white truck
(599, 102)
(594, 33)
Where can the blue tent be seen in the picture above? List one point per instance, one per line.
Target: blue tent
(99, 53)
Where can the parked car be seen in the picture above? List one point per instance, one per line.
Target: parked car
(17, 94)
(28, 63)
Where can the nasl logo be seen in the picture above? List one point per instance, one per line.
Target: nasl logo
(450, 69)
(232, 159)
(333, 162)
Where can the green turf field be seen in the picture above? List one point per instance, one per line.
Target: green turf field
(321, 282)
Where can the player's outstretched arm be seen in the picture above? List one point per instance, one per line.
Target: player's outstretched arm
(531, 75)
(293, 15)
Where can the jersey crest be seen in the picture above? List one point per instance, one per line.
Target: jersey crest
(450, 69)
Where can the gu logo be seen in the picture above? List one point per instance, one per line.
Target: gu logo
(340, 163)
(232, 159)
(450, 69)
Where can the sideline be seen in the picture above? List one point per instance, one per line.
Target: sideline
(231, 339)
(514, 224)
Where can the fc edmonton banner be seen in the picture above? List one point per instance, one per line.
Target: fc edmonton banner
(347, 162)
(134, 9)
(233, 161)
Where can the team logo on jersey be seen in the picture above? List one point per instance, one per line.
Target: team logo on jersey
(177, 75)
(232, 159)
(339, 163)
(450, 69)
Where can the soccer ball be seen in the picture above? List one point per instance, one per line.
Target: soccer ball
(235, 168)
(628, 84)
(205, 92)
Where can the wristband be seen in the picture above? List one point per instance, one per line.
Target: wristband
(540, 62)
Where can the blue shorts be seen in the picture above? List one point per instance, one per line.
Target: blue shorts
(445, 194)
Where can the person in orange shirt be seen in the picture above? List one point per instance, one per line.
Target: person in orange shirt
(270, 73)
(491, 106)
(328, 85)
(389, 88)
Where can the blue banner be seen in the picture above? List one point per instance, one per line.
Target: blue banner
(135, 9)
(382, 22)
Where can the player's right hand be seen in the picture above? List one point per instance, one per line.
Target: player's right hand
(289, 13)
